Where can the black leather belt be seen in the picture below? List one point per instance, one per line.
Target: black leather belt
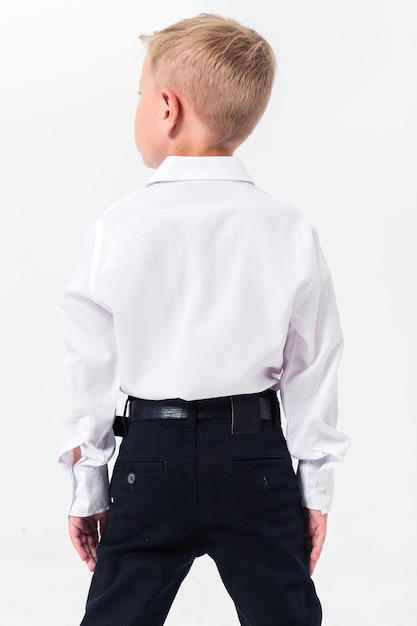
(246, 411)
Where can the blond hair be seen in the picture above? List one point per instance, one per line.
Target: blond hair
(225, 70)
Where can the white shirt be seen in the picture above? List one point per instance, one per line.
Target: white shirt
(201, 285)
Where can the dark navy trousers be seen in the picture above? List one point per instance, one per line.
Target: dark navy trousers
(182, 488)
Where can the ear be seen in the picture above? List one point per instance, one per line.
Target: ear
(171, 110)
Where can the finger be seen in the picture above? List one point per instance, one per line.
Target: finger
(83, 548)
(317, 542)
(91, 547)
(92, 542)
(83, 536)
(91, 563)
(77, 541)
(314, 557)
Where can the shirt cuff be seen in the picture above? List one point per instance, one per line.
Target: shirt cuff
(316, 486)
(90, 490)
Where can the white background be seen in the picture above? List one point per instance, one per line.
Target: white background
(339, 141)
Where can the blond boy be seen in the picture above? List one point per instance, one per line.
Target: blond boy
(200, 297)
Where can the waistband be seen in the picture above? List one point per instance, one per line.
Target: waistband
(245, 411)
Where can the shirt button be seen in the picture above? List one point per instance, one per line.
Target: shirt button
(131, 478)
(320, 487)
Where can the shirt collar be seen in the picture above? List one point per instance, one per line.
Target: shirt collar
(176, 168)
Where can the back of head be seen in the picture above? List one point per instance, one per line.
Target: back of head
(224, 70)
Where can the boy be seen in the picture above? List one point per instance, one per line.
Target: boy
(200, 296)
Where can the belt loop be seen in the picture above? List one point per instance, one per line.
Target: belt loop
(191, 418)
(245, 414)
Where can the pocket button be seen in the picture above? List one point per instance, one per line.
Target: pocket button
(131, 478)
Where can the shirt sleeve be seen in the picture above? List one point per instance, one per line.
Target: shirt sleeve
(91, 378)
(309, 378)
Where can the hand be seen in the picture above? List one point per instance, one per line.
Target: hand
(85, 534)
(315, 528)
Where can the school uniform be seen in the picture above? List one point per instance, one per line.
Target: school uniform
(202, 298)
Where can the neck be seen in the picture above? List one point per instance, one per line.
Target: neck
(199, 152)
